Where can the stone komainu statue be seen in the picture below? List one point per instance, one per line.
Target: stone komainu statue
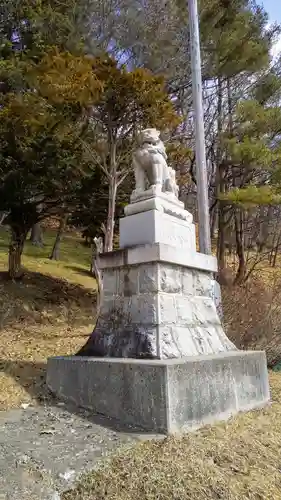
(150, 165)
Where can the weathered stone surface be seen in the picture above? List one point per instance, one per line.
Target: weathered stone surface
(149, 278)
(180, 341)
(184, 311)
(160, 298)
(120, 279)
(205, 342)
(187, 277)
(130, 277)
(167, 310)
(144, 309)
(176, 342)
(196, 311)
(152, 297)
(170, 278)
(110, 282)
(164, 396)
(216, 387)
(109, 305)
(122, 341)
(217, 299)
(203, 284)
(166, 203)
(203, 311)
(157, 227)
(147, 253)
(217, 330)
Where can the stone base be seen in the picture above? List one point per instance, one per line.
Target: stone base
(158, 302)
(163, 396)
(154, 226)
(163, 203)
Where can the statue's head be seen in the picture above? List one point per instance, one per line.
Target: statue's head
(151, 135)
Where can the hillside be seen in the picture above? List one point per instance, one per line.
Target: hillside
(49, 313)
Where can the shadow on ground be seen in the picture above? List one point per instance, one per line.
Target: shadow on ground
(32, 377)
(40, 298)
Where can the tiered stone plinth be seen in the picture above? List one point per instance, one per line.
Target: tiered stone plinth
(158, 303)
(167, 363)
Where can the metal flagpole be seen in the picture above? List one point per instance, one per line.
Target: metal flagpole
(201, 168)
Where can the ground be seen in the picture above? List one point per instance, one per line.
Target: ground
(236, 460)
(52, 312)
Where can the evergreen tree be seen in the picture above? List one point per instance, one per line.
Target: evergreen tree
(44, 94)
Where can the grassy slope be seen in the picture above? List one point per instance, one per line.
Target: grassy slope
(51, 312)
(73, 264)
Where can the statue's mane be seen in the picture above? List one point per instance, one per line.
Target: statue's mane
(154, 148)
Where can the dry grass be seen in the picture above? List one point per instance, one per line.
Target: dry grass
(237, 460)
(50, 312)
(252, 313)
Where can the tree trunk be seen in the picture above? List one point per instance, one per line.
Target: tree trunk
(221, 242)
(56, 248)
(36, 236)
(240, 248)
(112, 191)
(214, 222)
(18, 237)
(276, 249)
(220, 187)
(221, 245)
(109, 232)
(264, 233)
(95, 270)
(229, 107)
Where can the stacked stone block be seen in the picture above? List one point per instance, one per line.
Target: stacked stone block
(161, 310)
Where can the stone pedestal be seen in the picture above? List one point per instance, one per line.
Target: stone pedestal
(166, 396)
(158, 292)
(158, 303)
(157, 227)
(163, 350)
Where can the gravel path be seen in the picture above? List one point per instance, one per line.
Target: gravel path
(43, 450)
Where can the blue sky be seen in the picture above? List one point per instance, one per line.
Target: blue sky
(273, 7)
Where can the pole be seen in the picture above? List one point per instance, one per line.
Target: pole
(201, 167)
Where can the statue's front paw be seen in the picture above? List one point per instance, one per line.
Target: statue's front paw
(156, 188)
